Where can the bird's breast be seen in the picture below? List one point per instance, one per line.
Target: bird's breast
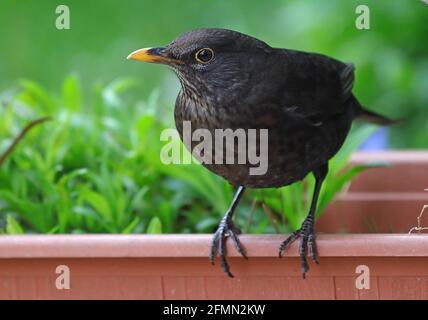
(290, 150)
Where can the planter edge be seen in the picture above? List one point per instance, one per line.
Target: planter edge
(197, 246)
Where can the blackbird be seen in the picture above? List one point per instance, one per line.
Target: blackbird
(230, 80)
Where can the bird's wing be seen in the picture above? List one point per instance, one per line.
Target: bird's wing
(314, 87)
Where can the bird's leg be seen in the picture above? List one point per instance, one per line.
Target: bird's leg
(227, 228)
(306, 231)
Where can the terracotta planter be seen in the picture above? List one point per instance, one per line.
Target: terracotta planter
(382, 200)
(176, 266)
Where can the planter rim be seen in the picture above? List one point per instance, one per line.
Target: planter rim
(197, 246)
(393, 156)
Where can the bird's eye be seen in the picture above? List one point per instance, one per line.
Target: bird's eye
(204, 55)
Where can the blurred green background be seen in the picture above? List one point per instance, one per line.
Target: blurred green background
(391, 58)
(95, 167)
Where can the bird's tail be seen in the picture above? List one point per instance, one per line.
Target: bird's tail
(369, 116)
(375, 118)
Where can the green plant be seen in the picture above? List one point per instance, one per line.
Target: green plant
(95, 168)
(72, 176)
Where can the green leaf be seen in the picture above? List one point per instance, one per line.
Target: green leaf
(155, 226)
(13, 226)
(337, 184)
(71, 93)
(98, 202)
(130, 228)
(36, 95)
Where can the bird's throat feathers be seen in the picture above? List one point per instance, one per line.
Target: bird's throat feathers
(214, 88)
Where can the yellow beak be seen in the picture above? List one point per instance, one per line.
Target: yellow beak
(153, 55)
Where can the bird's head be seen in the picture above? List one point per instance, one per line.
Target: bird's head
(207, 60)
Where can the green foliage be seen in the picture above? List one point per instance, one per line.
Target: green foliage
(95, 168)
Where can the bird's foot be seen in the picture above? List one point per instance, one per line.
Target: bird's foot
(225, 229)
(307, 239)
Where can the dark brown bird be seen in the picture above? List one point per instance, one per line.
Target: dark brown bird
(233, 81)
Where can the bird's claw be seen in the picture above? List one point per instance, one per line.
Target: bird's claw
(307, 239)
(225, 229)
